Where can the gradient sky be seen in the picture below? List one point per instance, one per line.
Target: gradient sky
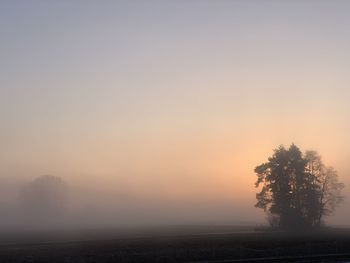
(175, 101)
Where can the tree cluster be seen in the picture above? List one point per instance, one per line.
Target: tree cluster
(297, 190)
(44, 199)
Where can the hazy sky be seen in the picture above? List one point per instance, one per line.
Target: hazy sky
(172, 102)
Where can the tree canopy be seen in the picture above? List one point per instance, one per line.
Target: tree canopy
(297, 190)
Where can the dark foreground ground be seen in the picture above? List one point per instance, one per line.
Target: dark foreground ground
(211, 244)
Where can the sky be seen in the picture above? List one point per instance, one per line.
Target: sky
(170, 105)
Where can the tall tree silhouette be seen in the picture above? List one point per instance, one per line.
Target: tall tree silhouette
(298, 189)
(327, 186)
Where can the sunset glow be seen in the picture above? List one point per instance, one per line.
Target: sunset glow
(172, 104)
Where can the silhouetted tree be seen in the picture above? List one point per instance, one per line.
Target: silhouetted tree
(297, 190)
(328, 188)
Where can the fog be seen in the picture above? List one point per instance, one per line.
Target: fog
(85, 206)
(158, 113)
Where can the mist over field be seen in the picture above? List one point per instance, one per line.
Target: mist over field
(157, 113)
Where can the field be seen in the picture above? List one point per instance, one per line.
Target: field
(177, 244)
